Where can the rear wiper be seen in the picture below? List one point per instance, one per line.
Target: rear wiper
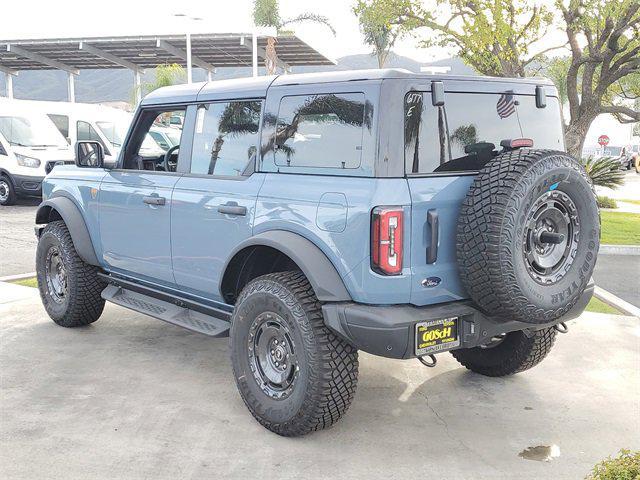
(19, 144)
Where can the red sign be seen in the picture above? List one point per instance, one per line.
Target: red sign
(603, 140)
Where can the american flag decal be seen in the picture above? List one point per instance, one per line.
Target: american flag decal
(506, 105)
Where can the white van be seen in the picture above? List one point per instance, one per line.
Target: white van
(86, 121)
(30, 146)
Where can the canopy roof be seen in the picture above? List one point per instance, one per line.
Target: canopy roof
(137, 53)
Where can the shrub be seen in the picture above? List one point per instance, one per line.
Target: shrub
(604, 171)
(606, 202)
(626, 466)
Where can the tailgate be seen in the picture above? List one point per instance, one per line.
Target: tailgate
(438, 281)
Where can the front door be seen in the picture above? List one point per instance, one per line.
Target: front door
(214, 202)
(135, 205)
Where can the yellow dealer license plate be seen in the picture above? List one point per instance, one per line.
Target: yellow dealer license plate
(436, 336)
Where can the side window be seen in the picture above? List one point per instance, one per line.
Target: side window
(466, 132)
(226, 137)
(62, 123)
(143, 152)
(86, 132)
(321, 130)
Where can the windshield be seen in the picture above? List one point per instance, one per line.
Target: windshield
(115, 132)
(31, 131)
(173, 136)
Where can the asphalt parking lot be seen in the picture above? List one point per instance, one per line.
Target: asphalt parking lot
(132, 397)
(17, 240)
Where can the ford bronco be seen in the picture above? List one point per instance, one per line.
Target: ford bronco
(311, 216)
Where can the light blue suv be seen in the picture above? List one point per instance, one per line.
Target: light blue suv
(312, 216)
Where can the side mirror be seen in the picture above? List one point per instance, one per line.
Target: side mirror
(89, 154)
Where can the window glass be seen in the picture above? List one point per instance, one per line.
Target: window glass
(87, 132)
(143, 152)
(321, 130)
(226, 137)
(31, 131)
(466, 132)
(62, 123)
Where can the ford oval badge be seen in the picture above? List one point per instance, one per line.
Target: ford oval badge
(431, 282)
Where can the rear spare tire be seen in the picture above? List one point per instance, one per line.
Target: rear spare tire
(528, 235)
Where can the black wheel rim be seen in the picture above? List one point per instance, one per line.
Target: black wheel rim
(55, 275)
(4, 191)
(272, 355)
(551, 234)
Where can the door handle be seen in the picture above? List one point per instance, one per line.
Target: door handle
(432, 249)
(232, 209)
(153, 200)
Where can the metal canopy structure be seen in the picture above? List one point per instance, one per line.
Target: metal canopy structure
(136, 53)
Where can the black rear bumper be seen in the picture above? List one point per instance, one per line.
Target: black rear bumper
(389, 331)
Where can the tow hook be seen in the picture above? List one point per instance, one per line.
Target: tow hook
(561, 328)
(423, 360)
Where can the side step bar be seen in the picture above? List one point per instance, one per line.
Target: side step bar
(169, 312)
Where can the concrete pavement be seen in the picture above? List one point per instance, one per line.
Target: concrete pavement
(17, 239)
(132, 397)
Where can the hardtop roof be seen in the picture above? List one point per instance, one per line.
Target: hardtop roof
(256, 87)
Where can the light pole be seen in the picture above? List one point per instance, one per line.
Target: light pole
(188, 35)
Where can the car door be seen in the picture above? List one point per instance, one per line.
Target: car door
(135, 208)
(214, 202)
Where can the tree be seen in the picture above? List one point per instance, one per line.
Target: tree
(378, 33)
(496, 37)
(266, 13)
(166, 75)
(604, 73)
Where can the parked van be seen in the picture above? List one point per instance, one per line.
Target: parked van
(85, 121)
(30, 146)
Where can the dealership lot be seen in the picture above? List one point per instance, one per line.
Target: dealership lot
(132, 397)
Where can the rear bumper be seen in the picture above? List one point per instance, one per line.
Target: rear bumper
(27, 185)
(389, 331)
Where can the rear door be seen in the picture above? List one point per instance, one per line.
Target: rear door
(214, 203)
(444, 147)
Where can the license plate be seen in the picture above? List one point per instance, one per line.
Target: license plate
(436, 336)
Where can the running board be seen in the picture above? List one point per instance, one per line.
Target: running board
(177, 315)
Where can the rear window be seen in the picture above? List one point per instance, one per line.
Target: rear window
(466, 132)
(321, 130)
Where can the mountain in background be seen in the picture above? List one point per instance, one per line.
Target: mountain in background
(116, 85)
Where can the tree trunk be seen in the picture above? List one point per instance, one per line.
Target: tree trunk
(576, 133)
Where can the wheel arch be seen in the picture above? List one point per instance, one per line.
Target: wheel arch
(61, 208)
(280, 250)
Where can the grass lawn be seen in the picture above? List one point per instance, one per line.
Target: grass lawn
(620, 228)
(27, 282)
(635, 202)
(598, 306)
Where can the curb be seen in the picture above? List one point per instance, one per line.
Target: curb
(13, 278)
(616, 302)
(619, 250)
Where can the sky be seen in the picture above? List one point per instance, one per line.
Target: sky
(75, 18)
(72, 18)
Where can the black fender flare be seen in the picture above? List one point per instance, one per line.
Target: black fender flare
(73, 219)
(323, 276)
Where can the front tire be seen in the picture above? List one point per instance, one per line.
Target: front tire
(70, 289)
(293, 373)
(508, 353)
(7, 191)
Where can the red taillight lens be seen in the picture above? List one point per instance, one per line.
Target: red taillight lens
(386, 240)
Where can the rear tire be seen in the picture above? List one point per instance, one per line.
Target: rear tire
(7, 191)
(293, 373)
(70, 289)
(515, 353)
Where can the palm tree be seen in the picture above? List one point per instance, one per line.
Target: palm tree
(604, 171)
(266, 13)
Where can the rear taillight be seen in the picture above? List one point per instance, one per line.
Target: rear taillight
(386, 240)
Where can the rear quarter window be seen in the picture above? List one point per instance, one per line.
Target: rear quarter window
(465, 133)
(324, 130)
